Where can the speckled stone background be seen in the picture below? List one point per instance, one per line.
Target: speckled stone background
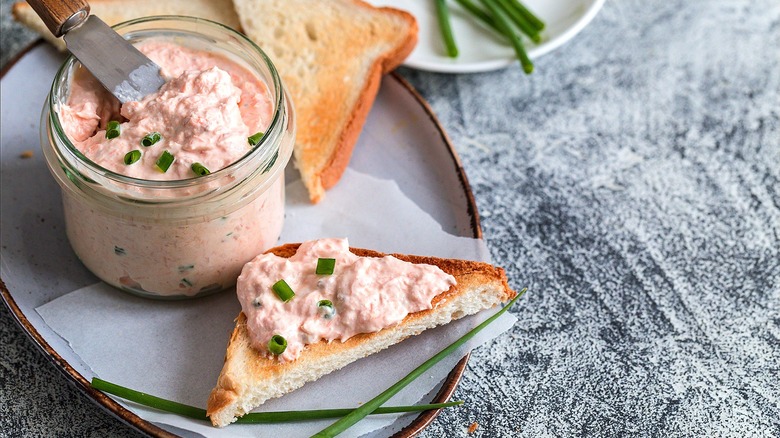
(633, 184)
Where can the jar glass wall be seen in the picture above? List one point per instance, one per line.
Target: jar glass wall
(179, 238)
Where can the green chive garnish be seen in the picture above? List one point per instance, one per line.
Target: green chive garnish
(443, 15)
(503, 23)
(529, 16)
(255, 139)
(165, 161)
(325, 266)
(200, 169)
(132, 156)
(252, 417)
(520, 20)
(326, 309)
(358, 414)
(480, 14)
(150, 139)
(112, 129)
(277, 344)
(283, 290)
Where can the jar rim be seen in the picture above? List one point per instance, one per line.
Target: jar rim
(274, 126)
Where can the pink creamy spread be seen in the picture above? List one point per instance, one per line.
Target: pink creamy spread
(204, 114)
(368, 294)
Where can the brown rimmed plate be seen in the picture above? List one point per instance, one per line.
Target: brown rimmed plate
(39, 266)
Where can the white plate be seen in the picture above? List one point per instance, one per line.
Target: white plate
(401, 140)
(480, 49)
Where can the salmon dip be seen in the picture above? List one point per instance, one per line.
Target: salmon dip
(210, 113)
(324, 292)
(203, 114)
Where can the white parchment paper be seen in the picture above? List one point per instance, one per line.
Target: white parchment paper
(175, 350)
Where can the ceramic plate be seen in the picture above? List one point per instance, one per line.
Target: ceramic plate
(37, 264)
(480, 49)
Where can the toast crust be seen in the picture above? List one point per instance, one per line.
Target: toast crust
(479, 286)
(339, 159)
(340, 50)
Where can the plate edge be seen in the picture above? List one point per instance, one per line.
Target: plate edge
(130, 418)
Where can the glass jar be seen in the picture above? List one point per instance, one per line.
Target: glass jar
(181, 238)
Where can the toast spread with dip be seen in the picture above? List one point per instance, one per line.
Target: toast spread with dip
(316, 323)
(331, 56)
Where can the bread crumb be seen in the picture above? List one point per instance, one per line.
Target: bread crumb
(26, 154)
(473, 427)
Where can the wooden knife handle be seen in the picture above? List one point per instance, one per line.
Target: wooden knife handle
(60, 16)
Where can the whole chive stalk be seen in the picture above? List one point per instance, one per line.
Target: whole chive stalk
(164, 161)
(443, 15)
(503, 23)
(254, 139)
(318, 414)
(519, 20)
(480, 14)
(348, 420)
(150, 139)
(131, 157)
(200, 169)
(112, 129)
(529, 16)
(251, 418)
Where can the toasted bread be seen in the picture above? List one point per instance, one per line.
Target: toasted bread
(331, 56)
(249, 377)
(117, 11)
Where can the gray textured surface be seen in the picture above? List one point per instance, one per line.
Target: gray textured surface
(633, 184)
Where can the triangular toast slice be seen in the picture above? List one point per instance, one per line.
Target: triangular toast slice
(331, 56)
(249, 377)
(117, 11)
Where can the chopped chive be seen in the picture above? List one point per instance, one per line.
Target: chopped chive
(277, 344)
(358, 414)
(283, 290)
(325, 266)
(185, 268)
(132, 156)
(150, 139)
(326, 308)
(443, 15)
(112, 129)
(252, 417)
(200, 169)
(255, 138)
(165, 161)
(186, 282)
(119, 251)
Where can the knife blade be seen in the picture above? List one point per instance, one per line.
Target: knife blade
(125, 72)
